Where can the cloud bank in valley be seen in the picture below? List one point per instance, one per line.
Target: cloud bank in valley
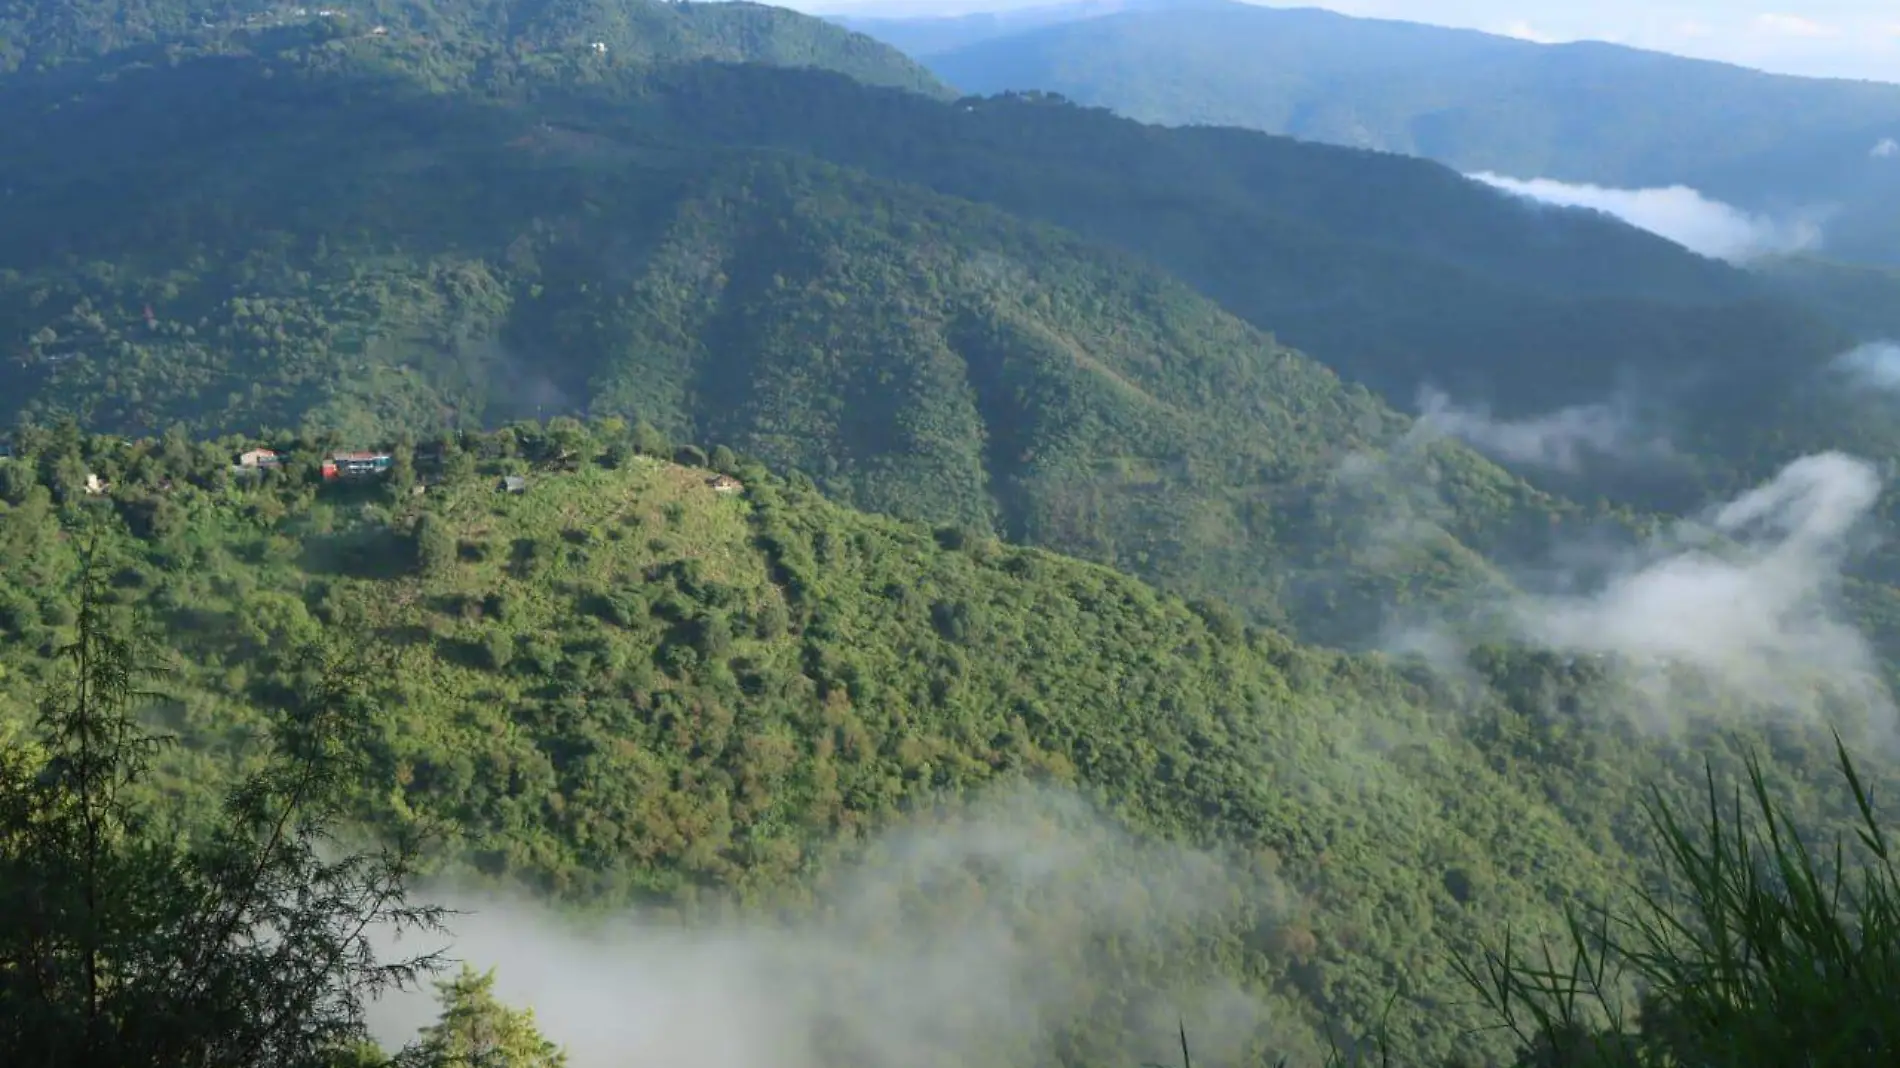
(1681, 214)
(1747, 597)
(1875, 365)
(1744, 599)
(973, 937)
(1559, 440)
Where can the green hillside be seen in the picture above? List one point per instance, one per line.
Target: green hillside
(963, 368)
(624, 684)
(1585, 112)
(916, 354)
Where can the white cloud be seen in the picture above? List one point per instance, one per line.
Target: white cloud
(961, 937)
(1747, 598)
(1736, 612)
(1558, 440)
(1886, 148)
(1876, 365)
(1524, 31)
(1679, 213)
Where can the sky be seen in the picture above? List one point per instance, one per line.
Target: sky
(1822, 38)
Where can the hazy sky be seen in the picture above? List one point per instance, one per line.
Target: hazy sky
(1839, 38)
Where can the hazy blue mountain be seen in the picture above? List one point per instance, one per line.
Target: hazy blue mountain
(923, 35)
(1584, 112)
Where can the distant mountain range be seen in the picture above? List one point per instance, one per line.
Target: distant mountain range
(1783, 146)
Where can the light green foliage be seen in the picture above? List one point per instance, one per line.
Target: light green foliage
(475, 1030)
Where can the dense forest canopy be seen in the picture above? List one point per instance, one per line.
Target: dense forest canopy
(40, 35)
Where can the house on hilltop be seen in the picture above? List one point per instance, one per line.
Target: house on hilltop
(725, 484)
(260, 458)
(356, 465)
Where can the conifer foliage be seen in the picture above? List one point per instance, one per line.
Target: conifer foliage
(126, 943)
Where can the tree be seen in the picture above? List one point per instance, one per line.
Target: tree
(458, 464)
(648, 439)
(475, 1030)
(402, 470)
(569, 438)
(126, 943)
(435, 545)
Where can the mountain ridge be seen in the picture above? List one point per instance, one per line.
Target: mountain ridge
(43, 35)
(1578, 112)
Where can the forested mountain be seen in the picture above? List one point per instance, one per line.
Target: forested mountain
(624, 684)
(1396, 273)
(1584, 112)
(42, 34)
(1863, 299)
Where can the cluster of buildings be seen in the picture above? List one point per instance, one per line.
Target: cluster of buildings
(337, 466)
(360, 465)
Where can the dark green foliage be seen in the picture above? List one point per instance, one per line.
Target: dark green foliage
(436, 549)
(1864, 300)
(912, 353)
(38, 34)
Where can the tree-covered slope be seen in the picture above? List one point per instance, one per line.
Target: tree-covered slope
(325, 235)
(1863, 299)
(917, 355)
(623, 684)
(1394, 272)
(1585, 112)
(43, 34)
